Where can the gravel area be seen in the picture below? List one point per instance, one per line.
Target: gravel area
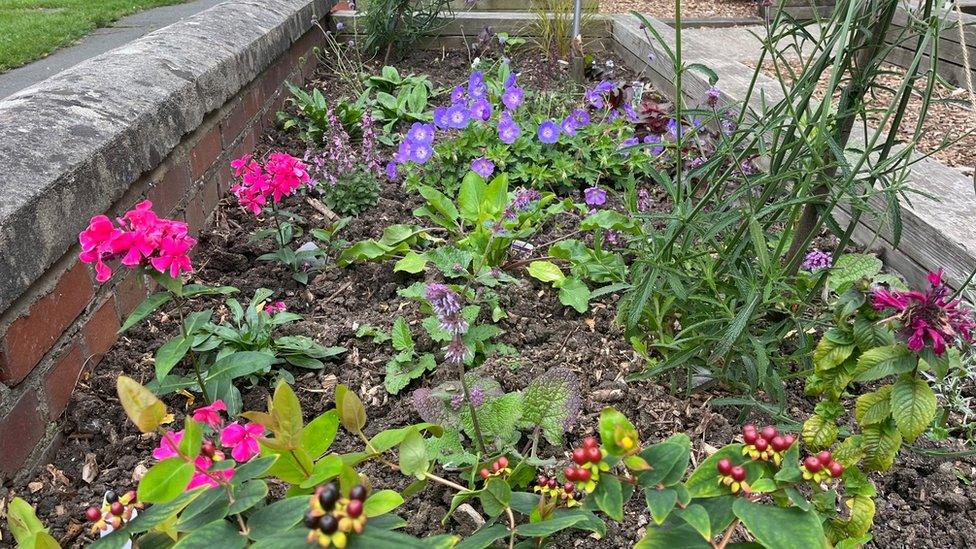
(690, 9)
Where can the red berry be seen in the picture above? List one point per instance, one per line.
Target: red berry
(583, 475)
(579, 456)
(824, 458)
(552, 483)
(570, 473)
(593, 455)
(812, 464)
(502, 462)
(495, 466)
(117, 508)
(748, 427)
(569, 487)
(790, 439)
(589, 442)
(761, 444)
(836, 469)
(542, 480)
(724, 466)
(738, 473)
(484, 473)
(93, 514)
(354, 509)
(131, 495)
(208, 448)
(769, 432)
(750, 437)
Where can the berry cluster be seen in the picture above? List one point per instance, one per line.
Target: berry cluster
(498, 468)
(566, 493)
(767, 444)
(821, 467)
(115, 511)
(733, 476)
(589, 462)
(332, 517)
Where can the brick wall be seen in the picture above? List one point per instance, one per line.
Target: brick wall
(63, 325)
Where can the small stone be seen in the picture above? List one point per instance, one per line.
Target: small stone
(469, 520)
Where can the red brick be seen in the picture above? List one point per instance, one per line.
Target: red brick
(129, 293)
(193, 215)
(101, 330)
(20, 431)
(29, 337)
(211, 194)
(253, 100)
(61, 378)
(204, 153)
(168, 192)
(233, 125)
(250, 141)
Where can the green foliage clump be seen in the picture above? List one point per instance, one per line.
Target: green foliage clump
(353, 193)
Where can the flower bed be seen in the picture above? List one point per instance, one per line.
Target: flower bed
(390, 300)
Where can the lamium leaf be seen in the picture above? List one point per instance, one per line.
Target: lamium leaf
(913, 405)
(552, 402)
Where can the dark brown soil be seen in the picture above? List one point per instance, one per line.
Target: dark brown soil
(922, 503)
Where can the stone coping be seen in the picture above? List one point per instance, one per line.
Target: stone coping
(72, 145)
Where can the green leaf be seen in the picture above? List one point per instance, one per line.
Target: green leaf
(849, 268)
(318, 435)
(352, 413)
(829, 353)
(144, 309)
(660, 502)
(248, 495)
(819, 433)
(22, 520)
(697, 517)
(618, 434)
(239, 364)
(779, 527)
(913, 405)
(874, 407)
(277, 517)
(402, 340)
(683, 537)
(412, 263)
(668, 460)
(609, 497)
(546, 271)
(192, 437)
(381, 502)
(703, 482)
(869, 334)
(413, 455)
(574, 293)
(143, 408)
(484, 537)
(470, 196)
(170, 354)
(495, 496)
(210, 506)
(216, 534)
(880, 444)
(287, 413)
(165, 480)
(881, 362)
(254, 468)
(548, 527)
(324, 469)
(546, 402)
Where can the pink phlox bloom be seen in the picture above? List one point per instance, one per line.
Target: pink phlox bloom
(210, 414)
(168, 444)
(173, 256)
(242, 440)
(275, 307)
(201, 477)
(99, 242)
(287, 174)
(241, 164)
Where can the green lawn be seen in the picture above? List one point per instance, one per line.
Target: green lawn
(30, 29)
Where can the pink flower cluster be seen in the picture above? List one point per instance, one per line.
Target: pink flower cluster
(281, 175)
(241, 440)
(929, 317)
(140, 238)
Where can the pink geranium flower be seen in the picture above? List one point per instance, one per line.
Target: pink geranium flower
(242, 440)
(210, 414)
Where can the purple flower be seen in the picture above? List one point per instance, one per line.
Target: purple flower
(421, 153)
(510, 81)
(611, 237)
(446, 304)
(483, 167)
(747, 167)
(626, 144)
(391, 171)
(458, 117)
(421, 133)
(508, 129)
(595, 96)
(440, 117)
(595, 196)
(654, 140)
(476, 85)
(523, 199)
(581, 116)
(477, 396)
(548, 132)
(457, 352)
(816, 260)
(457, 94)
(403, 151)
(569, 125)
(643, 200)
(712, 96)
(674, 132)
(481, 109)
(698, 162)
(456, 401)
(513, 97)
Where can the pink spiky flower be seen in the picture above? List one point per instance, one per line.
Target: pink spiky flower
(929, 318)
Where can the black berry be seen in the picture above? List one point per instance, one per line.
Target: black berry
(311, 521)
(328, 524)
(111, 496)
(328, 497)
(358, 492)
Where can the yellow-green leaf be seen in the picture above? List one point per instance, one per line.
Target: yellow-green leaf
(874, 407)
(913, 405)
(142, 407)
(819, 433)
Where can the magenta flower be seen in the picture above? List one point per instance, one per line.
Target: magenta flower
(210, 414)
(242, 440)
(929, 318)
(173, 256)
(202, 476)
(595, 196)
(168, 445)
(275, 307)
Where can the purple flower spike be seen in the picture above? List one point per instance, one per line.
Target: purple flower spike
(483, 167)
(595, 196)
(817, 260)
(548, 132)
(712, 96)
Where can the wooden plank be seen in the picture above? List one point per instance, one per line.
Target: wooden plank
(952, 72)
(950, 30)
(511, 5)
(471, 23)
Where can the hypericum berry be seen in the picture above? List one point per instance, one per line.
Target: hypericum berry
(328, 524)
(93, 514)
(552, 483)
(835, 468)
(738, 473)
(484, 473)
(748, 427)
(750, 437)
(724, 466)
(328, 497)
(355, 508)
(769, 432)
(542, 480)
(761, 444)
(790, 439)
(589, 442)
(569, 487)
(502, 462)
(117, 508)
(111, 496)
(495, 466)
(208, 448)
(812, 464)
(779, 443)
(578, 495)
(825, 458)
(570, 473)
(310, 520)
(593, 455)
(579, 456)
(131, 496)
(583, 475)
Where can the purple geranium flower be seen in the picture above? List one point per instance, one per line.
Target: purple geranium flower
(595, 96)
(476, 85)
(458, 117)
(656, 141)
(421, 153)
(457, 94)
(581, 117)
(513, 98)
(391, 171)
(510, 81)
(421, 133)
(483, 167)
(508, 129)
(403, 151)
(548, 132)
(595, 196)
(481, 109)
(569, 125)
(440, 117)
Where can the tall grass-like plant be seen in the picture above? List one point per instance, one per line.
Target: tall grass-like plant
(553, 25)
(392, 25)
(716, 289)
